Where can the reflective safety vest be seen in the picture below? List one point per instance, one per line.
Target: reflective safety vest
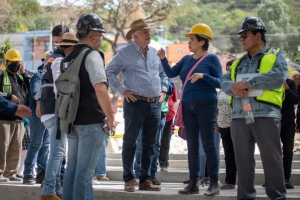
(273, 96)
(6, 83)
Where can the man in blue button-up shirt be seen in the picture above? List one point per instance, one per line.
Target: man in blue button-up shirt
(14, 109)
(144, 88)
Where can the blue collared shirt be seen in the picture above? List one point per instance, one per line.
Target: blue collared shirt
(6, 106)
(144, 76)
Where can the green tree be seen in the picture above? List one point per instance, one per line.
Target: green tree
(21, 15)
(280, 33)
(4, 48)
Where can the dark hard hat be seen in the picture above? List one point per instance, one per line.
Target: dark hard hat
(90, 21)
(252, 24)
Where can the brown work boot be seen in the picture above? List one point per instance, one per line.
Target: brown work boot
(50, 197)
(59, 196)
(129, 186)
(148, 186)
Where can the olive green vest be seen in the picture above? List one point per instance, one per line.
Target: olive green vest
(273, 96)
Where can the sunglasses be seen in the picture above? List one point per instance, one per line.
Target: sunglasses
(191, 39)
(244, 35)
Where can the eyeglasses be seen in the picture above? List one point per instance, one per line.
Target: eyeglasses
(101, 36)
(191, 39)
(244, 35)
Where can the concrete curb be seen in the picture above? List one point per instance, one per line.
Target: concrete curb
(114, 190)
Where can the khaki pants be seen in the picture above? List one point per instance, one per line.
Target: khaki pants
(11, 135)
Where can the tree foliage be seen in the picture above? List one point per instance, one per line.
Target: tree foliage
(5, 17)
(22, 14)
(275, 14)
(4, 48)
(118, 14)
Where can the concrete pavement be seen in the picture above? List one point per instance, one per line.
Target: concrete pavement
(114, 190)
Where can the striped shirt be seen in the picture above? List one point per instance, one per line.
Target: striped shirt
(144, 76)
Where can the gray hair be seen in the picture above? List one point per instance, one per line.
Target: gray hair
(133, 34)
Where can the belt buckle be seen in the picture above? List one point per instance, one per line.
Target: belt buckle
(148, 99)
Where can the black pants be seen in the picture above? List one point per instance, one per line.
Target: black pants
(165, 145)
(229, 155)
(287, 135)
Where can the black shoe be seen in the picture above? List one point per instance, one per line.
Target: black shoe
(263, 184)
(28, 180)
(155, 181)
(191, 188)
(206, 181)
(202, 182)
(288, 185)
(213, 188)
(186, 182)
(40, 177)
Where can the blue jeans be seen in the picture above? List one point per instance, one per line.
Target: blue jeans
(84, 145)
(203, 155)
(138, 151)
(38, 148)
(199, 121)
(101, 166)
(57, 152)
(140, 115)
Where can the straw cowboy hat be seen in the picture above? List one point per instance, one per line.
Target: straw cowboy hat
(137, 25)
(69, 39)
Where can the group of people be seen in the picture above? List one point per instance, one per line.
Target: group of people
(147, 85)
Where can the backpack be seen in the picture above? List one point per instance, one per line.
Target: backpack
(68, 94)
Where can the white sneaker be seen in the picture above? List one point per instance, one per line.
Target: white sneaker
(164, 169)
(15, 178)
(95, 182)
(3, 180)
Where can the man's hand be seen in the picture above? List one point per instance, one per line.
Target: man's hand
(239, 89)
(161, 53)
(286, 86)
(23, 111)
(128, 95)
(22, 68)
(228, 64)
(162, 97)
(38, 110)
(195, 77)
(110, 122)
(15, 99)
(296, 79)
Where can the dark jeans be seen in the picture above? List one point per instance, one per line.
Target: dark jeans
(138, 150)
(199, 121)
(165, 145)
(229, 155)
(287, 135)
(139, 115)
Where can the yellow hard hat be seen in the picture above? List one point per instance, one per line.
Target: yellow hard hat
(45, 54)
(200, 29)
(13, 55)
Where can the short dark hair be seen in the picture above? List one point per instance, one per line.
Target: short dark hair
(206, 43)
(263, 35)
(59, 30)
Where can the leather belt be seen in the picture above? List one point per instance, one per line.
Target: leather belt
(147, 99)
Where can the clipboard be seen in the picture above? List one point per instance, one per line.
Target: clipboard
(245, 77)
